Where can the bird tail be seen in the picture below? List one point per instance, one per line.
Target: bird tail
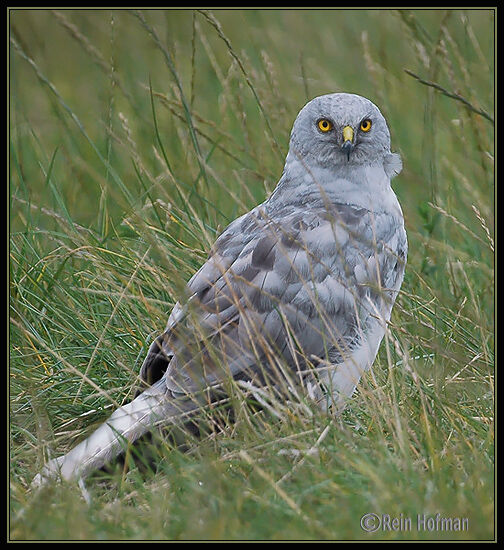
(154, 406)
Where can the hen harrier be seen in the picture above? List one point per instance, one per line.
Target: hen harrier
(298, 290)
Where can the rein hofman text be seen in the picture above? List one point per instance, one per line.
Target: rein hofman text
(372, 523)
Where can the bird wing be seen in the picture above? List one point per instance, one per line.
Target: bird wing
(277, 285)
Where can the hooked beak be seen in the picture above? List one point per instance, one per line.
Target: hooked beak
(348, 135)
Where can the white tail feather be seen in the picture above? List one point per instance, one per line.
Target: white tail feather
(127, 423)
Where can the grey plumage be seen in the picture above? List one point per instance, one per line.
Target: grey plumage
(304, 280)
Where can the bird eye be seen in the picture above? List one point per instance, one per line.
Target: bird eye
(324, 125)
(365, 125)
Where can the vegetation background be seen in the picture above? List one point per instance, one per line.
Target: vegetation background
(135, 137)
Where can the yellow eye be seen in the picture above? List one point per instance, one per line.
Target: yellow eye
(365, 125)
(324, 125)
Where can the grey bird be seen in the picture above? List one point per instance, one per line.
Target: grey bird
(298, 291)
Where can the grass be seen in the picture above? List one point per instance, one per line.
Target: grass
(135, 137)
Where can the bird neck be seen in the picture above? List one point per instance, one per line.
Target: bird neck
(362, 185)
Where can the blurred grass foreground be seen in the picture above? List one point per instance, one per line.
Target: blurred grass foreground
(135, 138)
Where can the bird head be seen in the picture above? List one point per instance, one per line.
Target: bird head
(340, 128)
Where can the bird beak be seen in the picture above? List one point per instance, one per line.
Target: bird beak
(348, 135)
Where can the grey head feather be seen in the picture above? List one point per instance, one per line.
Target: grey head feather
(392, 164)
(341, 110)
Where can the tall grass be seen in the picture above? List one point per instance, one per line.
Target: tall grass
(135, 138)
